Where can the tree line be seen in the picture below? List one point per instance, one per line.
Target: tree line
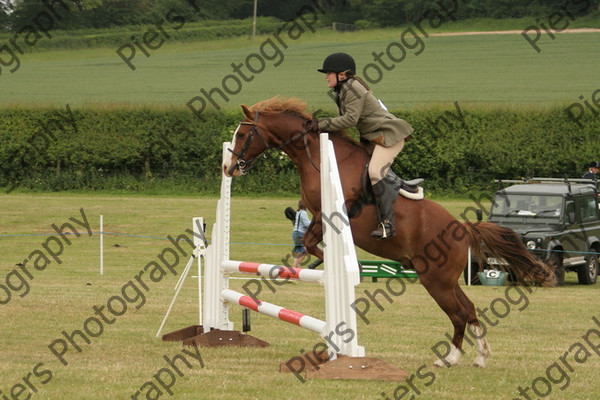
(82, 14)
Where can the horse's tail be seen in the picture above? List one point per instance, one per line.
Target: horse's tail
(506, 245)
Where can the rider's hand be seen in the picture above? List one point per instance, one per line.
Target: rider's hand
(311, 125)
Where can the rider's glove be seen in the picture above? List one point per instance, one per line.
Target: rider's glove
(311, 125)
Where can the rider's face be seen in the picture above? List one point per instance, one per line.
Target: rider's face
(331, 79)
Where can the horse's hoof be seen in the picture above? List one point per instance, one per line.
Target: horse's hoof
(452, 358)
(441, 364)
(479, 362)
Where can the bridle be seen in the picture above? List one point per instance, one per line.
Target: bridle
(244, 165)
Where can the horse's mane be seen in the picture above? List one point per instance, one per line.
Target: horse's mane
(295, 107)
(279, 104)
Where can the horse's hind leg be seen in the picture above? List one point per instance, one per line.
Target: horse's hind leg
(455, 351)
(446, 298)
(483, 347)
(313, 236)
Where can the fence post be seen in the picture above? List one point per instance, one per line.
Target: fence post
(101, 245)
(216, 312)
(341, 270)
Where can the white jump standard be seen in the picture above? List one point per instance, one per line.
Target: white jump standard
(345, 358)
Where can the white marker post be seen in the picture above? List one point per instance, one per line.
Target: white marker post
(101, 245)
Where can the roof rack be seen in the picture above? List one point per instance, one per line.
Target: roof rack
(566, 180)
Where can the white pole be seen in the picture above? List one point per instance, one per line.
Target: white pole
(254, 20)
(216, 311)
(101, 245)
(341, 273)
(199, 230)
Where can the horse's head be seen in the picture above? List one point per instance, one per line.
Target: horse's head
(266, 125)
(249, 141)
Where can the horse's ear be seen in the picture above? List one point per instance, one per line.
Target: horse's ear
(247, 112)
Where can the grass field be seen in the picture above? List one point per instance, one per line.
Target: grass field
(534, 331)
(482, 69)
(537, 340)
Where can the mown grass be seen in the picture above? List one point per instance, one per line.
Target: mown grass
(534, 331)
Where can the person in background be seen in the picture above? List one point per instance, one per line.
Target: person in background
(301, 223)
(593, 169)
(290, 214)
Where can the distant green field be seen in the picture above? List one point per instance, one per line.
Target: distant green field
(482, 69)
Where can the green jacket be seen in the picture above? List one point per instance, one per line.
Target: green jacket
(358, 107)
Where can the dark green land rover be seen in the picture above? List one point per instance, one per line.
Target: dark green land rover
(558, 219)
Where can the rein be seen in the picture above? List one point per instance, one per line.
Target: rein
(308, 152)
(244, 165)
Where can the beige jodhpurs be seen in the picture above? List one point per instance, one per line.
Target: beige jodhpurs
(382, 159)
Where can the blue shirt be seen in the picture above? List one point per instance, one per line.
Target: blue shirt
(302, 222)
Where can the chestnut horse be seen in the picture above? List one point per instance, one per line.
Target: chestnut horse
(428, 238)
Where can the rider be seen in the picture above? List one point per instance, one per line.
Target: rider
(387, 133)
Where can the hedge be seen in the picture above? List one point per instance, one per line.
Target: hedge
(190, 31)
(456, 150)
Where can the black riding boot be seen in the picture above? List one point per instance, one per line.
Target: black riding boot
(385, 196)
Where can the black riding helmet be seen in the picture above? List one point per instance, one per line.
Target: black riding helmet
(338, 62)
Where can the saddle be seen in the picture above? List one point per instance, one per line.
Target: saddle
(409, 189)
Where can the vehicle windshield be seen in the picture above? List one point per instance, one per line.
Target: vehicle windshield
(527, 205)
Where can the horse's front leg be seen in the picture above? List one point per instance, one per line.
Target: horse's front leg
(313, 236)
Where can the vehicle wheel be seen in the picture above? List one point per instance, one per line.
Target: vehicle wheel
(588, 272)
(474, 276)
(556, 264)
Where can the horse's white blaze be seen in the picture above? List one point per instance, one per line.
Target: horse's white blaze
(227, 159)
(451, 359)
(483, 347)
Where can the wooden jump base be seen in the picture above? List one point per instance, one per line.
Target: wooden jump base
(344, 359)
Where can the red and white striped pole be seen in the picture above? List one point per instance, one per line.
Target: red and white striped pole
(273, 271)
(275, 311)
